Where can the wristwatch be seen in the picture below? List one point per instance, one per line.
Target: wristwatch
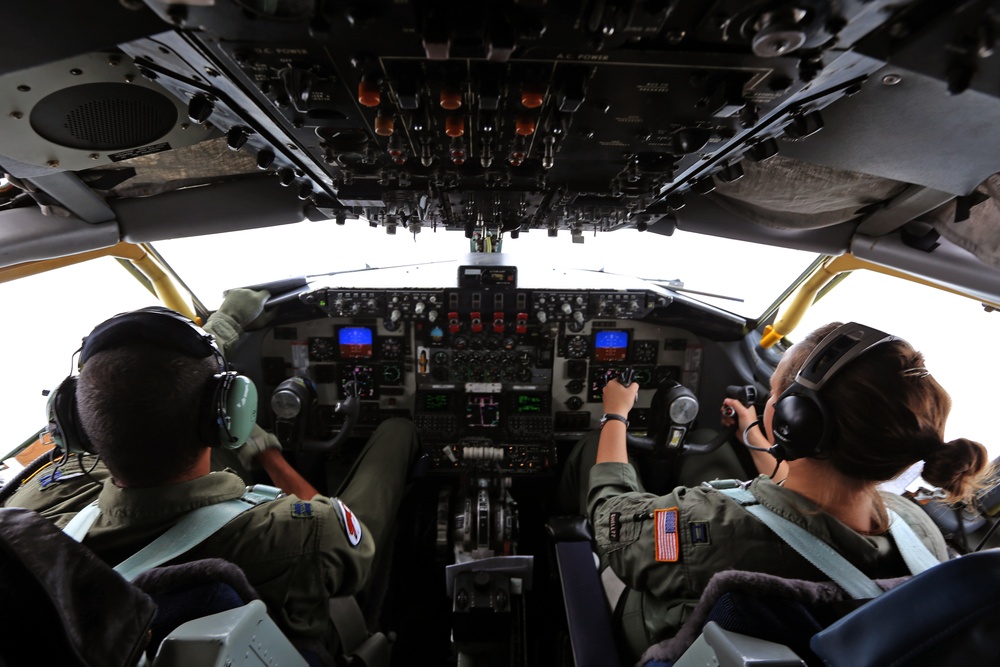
(610, 415)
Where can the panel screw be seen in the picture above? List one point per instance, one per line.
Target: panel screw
(891, 79)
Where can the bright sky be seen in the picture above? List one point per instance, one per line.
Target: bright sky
(49, 315)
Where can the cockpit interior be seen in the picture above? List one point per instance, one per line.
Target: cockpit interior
(865, 132)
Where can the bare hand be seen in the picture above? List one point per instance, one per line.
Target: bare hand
(618, 399)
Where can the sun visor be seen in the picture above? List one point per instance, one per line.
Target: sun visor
(947, 264)
(246, 203)
(27, 235)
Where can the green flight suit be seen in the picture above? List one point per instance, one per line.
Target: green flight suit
(296, 555)
(713, 533)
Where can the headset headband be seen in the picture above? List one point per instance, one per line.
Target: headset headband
(157, 325)
(838, 348)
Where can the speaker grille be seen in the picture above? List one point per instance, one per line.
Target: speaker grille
(104, 116)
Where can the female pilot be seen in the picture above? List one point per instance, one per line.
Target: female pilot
(845, 415)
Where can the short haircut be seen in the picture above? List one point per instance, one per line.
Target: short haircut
(143, 408)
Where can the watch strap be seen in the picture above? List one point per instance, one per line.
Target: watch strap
(612, 416)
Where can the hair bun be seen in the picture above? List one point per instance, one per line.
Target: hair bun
(956, 466)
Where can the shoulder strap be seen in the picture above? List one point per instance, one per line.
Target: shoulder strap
(194, 528)
(191, 530)
(80, 524)
(916, 554)
(810, 547)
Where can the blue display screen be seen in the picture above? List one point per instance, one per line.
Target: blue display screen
(610, 345)
(355, 342)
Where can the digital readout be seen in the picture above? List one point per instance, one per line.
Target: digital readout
(610, 345)
(436, 402)
(482, 410)
(528, 403)
(355, 343)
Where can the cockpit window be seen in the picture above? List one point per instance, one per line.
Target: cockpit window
(941, 325)
(47, 317)
(743, 278)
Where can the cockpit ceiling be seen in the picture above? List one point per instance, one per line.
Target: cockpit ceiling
(803, 124)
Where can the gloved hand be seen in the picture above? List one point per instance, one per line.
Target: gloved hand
(241, 310)
(258, 441)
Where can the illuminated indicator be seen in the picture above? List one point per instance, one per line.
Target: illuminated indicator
(610, 345)
(528, 403)
(355, 343)
(482, 410)
(436, 402)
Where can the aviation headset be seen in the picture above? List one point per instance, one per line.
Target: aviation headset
(802, 425)
(228, 407)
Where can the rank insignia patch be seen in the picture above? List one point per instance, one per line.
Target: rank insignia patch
(302, 509)
(699, 532)
(667, 547)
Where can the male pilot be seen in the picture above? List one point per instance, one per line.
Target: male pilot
(145, 402)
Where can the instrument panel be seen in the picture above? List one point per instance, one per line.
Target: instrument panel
(492, 375)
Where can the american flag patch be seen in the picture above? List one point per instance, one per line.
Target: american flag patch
(667, 547)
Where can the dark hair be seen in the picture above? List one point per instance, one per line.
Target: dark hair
(141, 406)
(890, 413)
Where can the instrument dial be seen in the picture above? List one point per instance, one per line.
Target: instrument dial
(322, 349)
(644, 351)
(391, 374)
(391, 348)
(577, 347)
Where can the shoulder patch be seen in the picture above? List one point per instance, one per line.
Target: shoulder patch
(352, 527)
(302, 509)
(667, 547)
(699, 532)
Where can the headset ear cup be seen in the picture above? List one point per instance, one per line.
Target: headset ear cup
(232, 409)
(799, 426)
(64, 422)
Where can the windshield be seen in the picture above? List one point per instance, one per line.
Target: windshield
(745, 277)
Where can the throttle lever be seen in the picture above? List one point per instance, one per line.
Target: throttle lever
(745, 394)
(626, 376)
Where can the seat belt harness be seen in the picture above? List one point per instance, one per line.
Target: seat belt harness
(860, 587)
(191, 530)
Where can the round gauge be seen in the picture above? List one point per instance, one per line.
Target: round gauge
(509, 343)
(436, 334)
(322, 349)
(440, 358)
(391, 374)
(683, 409)
(523, 374)
(574, 386)
(644, 351)
(524, 358)
(285, 404)
(574, 403)
(577, 347)
(459, 342)
(643, 376)
(493, 342)
(391, 348)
